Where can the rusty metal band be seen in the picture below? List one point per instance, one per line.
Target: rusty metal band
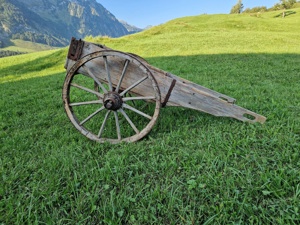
(169, 93)
(75, 49)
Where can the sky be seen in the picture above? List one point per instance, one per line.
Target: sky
(142, 13)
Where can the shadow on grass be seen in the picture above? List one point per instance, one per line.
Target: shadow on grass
(285, 14)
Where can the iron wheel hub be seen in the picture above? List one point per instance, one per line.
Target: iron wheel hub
(112, 101)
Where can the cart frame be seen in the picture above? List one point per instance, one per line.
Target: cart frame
(120, 79)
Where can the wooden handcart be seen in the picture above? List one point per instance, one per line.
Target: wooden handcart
(114, 96)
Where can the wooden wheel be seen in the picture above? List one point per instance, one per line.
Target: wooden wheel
(105, 94)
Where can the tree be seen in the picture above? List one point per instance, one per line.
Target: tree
(287, 4)
(256, 9)
(237, 8)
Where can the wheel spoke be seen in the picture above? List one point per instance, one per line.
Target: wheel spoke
(123, 74)
(108, 73)
(87, 89)
(138, 98)
(118, 125)
(86, 103)
(91, 116)
(94, 78)
(134, 85)
(103, 124)
(129, 121)
(136, 111)
(96, 86)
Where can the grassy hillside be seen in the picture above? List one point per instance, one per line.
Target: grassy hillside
(214, 34)
(192, 168)
(26, 46)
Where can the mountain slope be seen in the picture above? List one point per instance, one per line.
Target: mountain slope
(53, 22)
(131, 29)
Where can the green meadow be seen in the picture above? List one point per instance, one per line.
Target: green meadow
(192, 168)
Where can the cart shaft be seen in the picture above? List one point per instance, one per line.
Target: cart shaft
(190, 95)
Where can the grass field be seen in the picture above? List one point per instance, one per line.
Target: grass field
(193, 168)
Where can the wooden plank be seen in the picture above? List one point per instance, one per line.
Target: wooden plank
(187, 96)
